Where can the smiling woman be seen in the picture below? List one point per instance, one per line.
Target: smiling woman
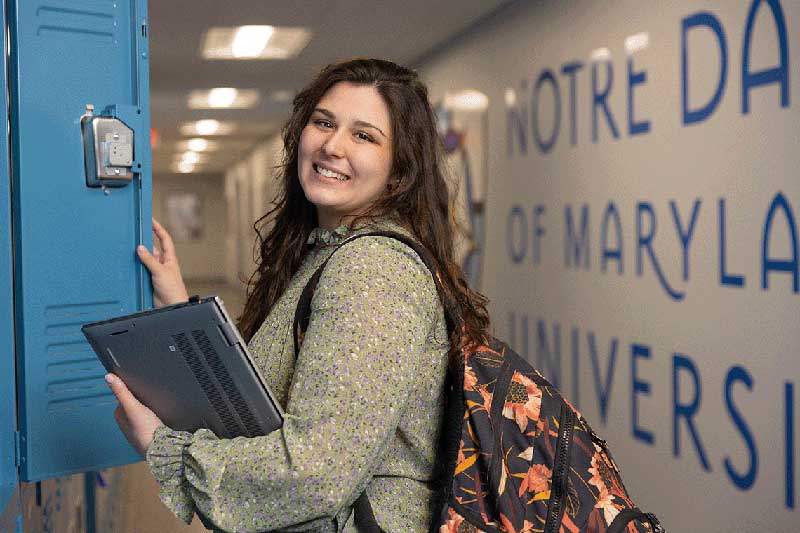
(364, 395)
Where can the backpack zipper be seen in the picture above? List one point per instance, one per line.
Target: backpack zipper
(560, 483)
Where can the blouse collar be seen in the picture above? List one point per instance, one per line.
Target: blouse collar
(328, 237)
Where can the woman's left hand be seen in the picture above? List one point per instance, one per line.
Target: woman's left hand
(137, 422)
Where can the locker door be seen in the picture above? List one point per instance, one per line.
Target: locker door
(74, 245)
(8, 423)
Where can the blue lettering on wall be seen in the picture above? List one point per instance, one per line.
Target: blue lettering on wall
(600, 98)
(779, 265)
(708, 20)
(608, 253)
(779, 74)
(549, 360)
(687, 411)
(644, 242)
(546, 144)
(639, 387)
(517, 234)
(571, 70)
(602, 384)
(517, 123)
(538, 232)
(731, 280)
(685, 234)
(746, 480)
(635, 78)
(576, 245)
(788, 409)
(576, 389)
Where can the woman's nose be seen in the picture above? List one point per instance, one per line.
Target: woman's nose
(334, 144)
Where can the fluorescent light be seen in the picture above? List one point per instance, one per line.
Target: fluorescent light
(467, 100)
(182, 168)
(197, 145)
(207, 127)
(636, 42)
(191, 158)
(223, 97)
(510, 97)
(254, 42)
(250, 41)
(600, 54)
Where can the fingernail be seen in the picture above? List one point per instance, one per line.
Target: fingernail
(140, 248)
(110, 379)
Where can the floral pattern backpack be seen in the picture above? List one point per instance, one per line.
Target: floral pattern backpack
(517, 457)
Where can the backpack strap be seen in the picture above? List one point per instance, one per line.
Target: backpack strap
(364, 517)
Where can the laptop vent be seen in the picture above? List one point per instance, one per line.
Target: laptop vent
(230, 388)
(207, 382)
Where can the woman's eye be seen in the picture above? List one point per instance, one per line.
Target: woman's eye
(323, 123)
(364, 137)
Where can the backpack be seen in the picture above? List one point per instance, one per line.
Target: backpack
(517, 456)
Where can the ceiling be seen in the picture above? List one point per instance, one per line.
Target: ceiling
(402, 31)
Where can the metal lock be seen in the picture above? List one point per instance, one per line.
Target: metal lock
(108, 150)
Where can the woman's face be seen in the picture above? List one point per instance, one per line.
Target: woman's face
(345, 153)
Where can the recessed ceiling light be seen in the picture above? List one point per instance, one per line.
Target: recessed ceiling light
(254, 42)
(467, 100)
(223, 97)
(190, 157)
(207, 127)
(182, 168)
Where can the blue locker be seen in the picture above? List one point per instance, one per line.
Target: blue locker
(8, 422)
(74, 259)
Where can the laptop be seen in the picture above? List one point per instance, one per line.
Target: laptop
(189, 365)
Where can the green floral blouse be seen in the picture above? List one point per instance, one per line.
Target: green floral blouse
(363, 404)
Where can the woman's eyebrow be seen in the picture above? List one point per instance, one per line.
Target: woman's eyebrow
(360, 123)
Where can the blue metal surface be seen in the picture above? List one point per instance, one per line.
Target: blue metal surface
(8, 423)
(74, 246)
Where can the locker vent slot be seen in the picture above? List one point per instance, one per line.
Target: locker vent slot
(96, 25)
(224, 378)
(206, 382)
(73, 378)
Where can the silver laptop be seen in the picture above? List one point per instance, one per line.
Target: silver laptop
(189, 365)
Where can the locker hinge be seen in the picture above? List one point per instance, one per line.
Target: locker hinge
(144, 28)
(17, 450)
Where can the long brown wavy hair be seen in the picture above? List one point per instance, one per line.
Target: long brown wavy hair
(419, 201)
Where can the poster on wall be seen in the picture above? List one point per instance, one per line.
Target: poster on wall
(643, 235)
(184, 217)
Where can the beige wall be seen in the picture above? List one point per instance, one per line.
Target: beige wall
(249, 188)
(203, 258)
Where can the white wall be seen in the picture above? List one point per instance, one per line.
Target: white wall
(620, 339)
(203, 258)
(249, 189)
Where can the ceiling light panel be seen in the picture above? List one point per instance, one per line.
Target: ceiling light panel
(223, 98)
(254, 42)
(207, 127)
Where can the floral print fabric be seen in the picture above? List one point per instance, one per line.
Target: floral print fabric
(363, 404)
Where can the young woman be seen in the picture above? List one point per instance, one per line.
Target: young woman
(364, 399)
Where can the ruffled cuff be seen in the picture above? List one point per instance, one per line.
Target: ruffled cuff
(165, 457)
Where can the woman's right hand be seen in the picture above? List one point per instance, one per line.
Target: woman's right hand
(168, 286)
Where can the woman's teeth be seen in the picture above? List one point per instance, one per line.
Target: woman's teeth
(330, 174)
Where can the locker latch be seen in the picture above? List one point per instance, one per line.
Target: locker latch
(108, 145)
